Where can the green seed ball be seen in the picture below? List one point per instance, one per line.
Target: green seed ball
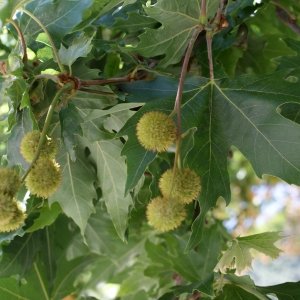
(44, 178)
(10, 181)
(29, 146)
(186, 185)
(7, 208)
(156, 131)
(165, 214)
(16, 221)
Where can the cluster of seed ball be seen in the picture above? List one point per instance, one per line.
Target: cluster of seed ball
(156, 131)
(45, 176)
(11, 212)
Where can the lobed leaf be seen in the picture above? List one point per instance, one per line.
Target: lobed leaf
(238, 255)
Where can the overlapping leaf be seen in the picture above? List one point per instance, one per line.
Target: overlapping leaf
(58, 17)
(76, 192)
(239, 112)
(284, 291)
(8, 9)
(111, 173)
(170, 40)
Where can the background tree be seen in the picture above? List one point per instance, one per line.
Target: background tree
(78, 79)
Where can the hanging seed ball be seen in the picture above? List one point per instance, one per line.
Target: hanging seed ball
(165, 214)
(186, 185)
(44, 178)
(29, 146)
(156, 131)
(7, 208)
(10, 181)
(17, 220)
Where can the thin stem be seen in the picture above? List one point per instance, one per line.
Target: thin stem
(209, 36)
(220, 284)
(46, 126)
(61, 67)
(203, 16)
(177, 106)
(287, 20)
(276, 3)
(105, 81)
(20, 33)
(218, 17)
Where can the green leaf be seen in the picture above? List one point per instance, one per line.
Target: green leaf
(141, 295)
(25, 122)
(47, 216)
(291, 61)
(231, 291)
(193, 266)
(58, 17)
(67, 272)
(136, 280)
(80, 47)
(169, 39)
(8, 9)
(284, 291)
(19, 98)
(104, 241)
(134, 22)
(111, 173)
(114, 3)
(244, 282)
(19, 255)
(99, 98)
(238, 255)
(76, 192)
(70, 121)
(96, 124)
(205, 286)
(33, 287)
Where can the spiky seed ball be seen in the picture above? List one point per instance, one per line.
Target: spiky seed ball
(44, 178)
(165, 214)
(7, 208)
(30, 144)
(156, 131)
(10, 181)
(186, 185)
(17, 220)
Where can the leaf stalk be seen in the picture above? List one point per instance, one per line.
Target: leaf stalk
(23, 43)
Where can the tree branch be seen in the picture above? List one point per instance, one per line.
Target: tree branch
(285, 17)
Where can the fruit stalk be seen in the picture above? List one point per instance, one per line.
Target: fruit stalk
(177, 107)
(46, 126)
(32, 16)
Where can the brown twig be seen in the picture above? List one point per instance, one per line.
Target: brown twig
(285, 17)
(106, 81)
(21, 36)
(177, 106)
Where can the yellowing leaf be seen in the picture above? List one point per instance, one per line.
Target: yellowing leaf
(238, 255)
